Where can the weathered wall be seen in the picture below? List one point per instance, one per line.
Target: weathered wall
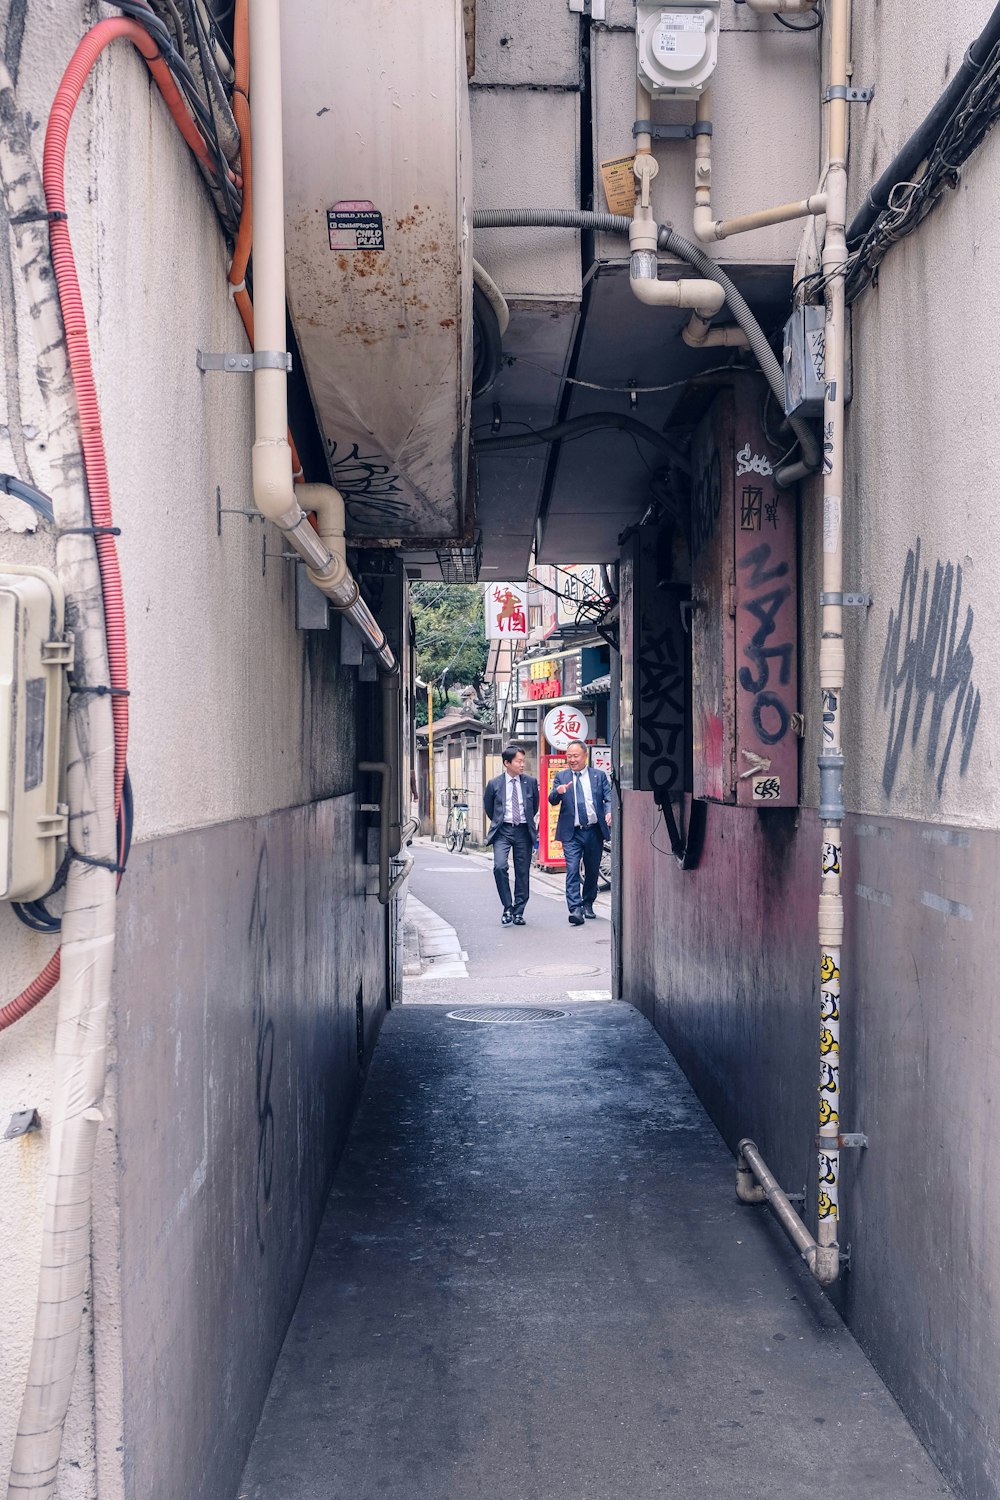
(237, 1066)
(243, 733)
(723, 958)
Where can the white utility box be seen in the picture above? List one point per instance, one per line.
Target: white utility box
(678, 47)
(34, 657)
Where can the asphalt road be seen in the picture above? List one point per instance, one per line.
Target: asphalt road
(544, 960)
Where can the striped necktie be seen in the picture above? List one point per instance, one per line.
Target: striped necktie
(515, 802)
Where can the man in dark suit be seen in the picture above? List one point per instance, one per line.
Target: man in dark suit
(583, 796)
(511, 803)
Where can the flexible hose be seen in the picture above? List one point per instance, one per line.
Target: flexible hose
(29, 997)
(578, 218)
(764, 354)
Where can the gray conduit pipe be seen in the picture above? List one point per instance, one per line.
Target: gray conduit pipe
(756, 1183)
(601, 223)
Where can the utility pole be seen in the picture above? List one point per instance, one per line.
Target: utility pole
(430, 757)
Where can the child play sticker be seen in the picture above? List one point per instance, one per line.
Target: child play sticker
(355, 224)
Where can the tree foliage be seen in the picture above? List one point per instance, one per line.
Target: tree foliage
(451, 646)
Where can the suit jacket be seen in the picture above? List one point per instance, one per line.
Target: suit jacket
(600, 790)
(495, 803)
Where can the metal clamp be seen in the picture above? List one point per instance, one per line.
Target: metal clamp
(671, 132)
(848, 601)
(21, 1121)
(850, 96)
(846, 1141)
(245, 364)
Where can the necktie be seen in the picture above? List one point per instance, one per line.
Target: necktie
(515, 803)
(581, 806)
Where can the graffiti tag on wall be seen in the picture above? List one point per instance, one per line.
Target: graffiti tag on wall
(925, 682)
(260, 946)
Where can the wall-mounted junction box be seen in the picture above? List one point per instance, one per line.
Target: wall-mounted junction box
(33, 659)
(678, 47)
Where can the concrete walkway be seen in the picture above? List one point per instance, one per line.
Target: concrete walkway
(533, 1281)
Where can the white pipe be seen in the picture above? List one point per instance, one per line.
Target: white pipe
(707, 228)
(273, 489)
(484, 281)
(832, 657)
(88, 924)
(704, 297)
(698, 333)
(644, 165)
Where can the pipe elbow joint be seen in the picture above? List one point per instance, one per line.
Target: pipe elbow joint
(706, 227)
(327, 503)
(273, 491)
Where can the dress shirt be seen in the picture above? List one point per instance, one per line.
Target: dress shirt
(508, 810)
(588, 796)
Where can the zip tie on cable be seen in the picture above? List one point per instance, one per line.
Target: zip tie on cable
(91, 531)
(98, 864)
(36, 215)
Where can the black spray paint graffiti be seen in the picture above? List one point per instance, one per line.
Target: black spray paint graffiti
(706, 502)
(661, 704)
(260, 946)
(770, 716)
(927, 670)
(364, 482)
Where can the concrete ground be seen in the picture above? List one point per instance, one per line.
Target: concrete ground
(534, 1281)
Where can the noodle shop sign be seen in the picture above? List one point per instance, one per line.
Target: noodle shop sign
(563, 724)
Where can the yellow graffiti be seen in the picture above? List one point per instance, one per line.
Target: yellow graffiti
(826, 1172)
(827, 1042)
(828, 970)
(829, 1009)
(827, 1207)
(831, 859)
(827, 1114)
(829, 1079)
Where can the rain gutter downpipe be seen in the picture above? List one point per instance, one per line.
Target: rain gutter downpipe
(273, 488)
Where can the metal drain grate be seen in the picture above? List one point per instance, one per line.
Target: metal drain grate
(506, 1015)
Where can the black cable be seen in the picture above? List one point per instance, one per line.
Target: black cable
(790, 26)
(577, 427)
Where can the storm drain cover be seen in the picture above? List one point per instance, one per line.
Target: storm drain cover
(558, 971)
(506, 1015)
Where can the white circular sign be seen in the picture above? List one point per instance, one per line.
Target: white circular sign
(565, 723)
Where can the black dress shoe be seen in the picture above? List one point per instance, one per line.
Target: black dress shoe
(589, 912)
(507, 918)
(519, 920)
(576, 917)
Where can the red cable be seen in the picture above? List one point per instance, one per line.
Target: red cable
(78, 348)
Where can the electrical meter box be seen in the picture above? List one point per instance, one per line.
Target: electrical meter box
(678, 47)
(34, 656)
(804, 348)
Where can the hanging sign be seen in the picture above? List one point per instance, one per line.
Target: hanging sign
(506, 611)
(563, 724)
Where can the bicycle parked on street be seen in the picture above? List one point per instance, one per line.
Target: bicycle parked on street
(456, 827)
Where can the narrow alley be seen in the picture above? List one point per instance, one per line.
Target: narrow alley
(533, 1278)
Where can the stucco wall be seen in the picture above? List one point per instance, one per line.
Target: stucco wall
(242, 730)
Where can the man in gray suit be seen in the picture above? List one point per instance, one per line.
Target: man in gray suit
(511, 803)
